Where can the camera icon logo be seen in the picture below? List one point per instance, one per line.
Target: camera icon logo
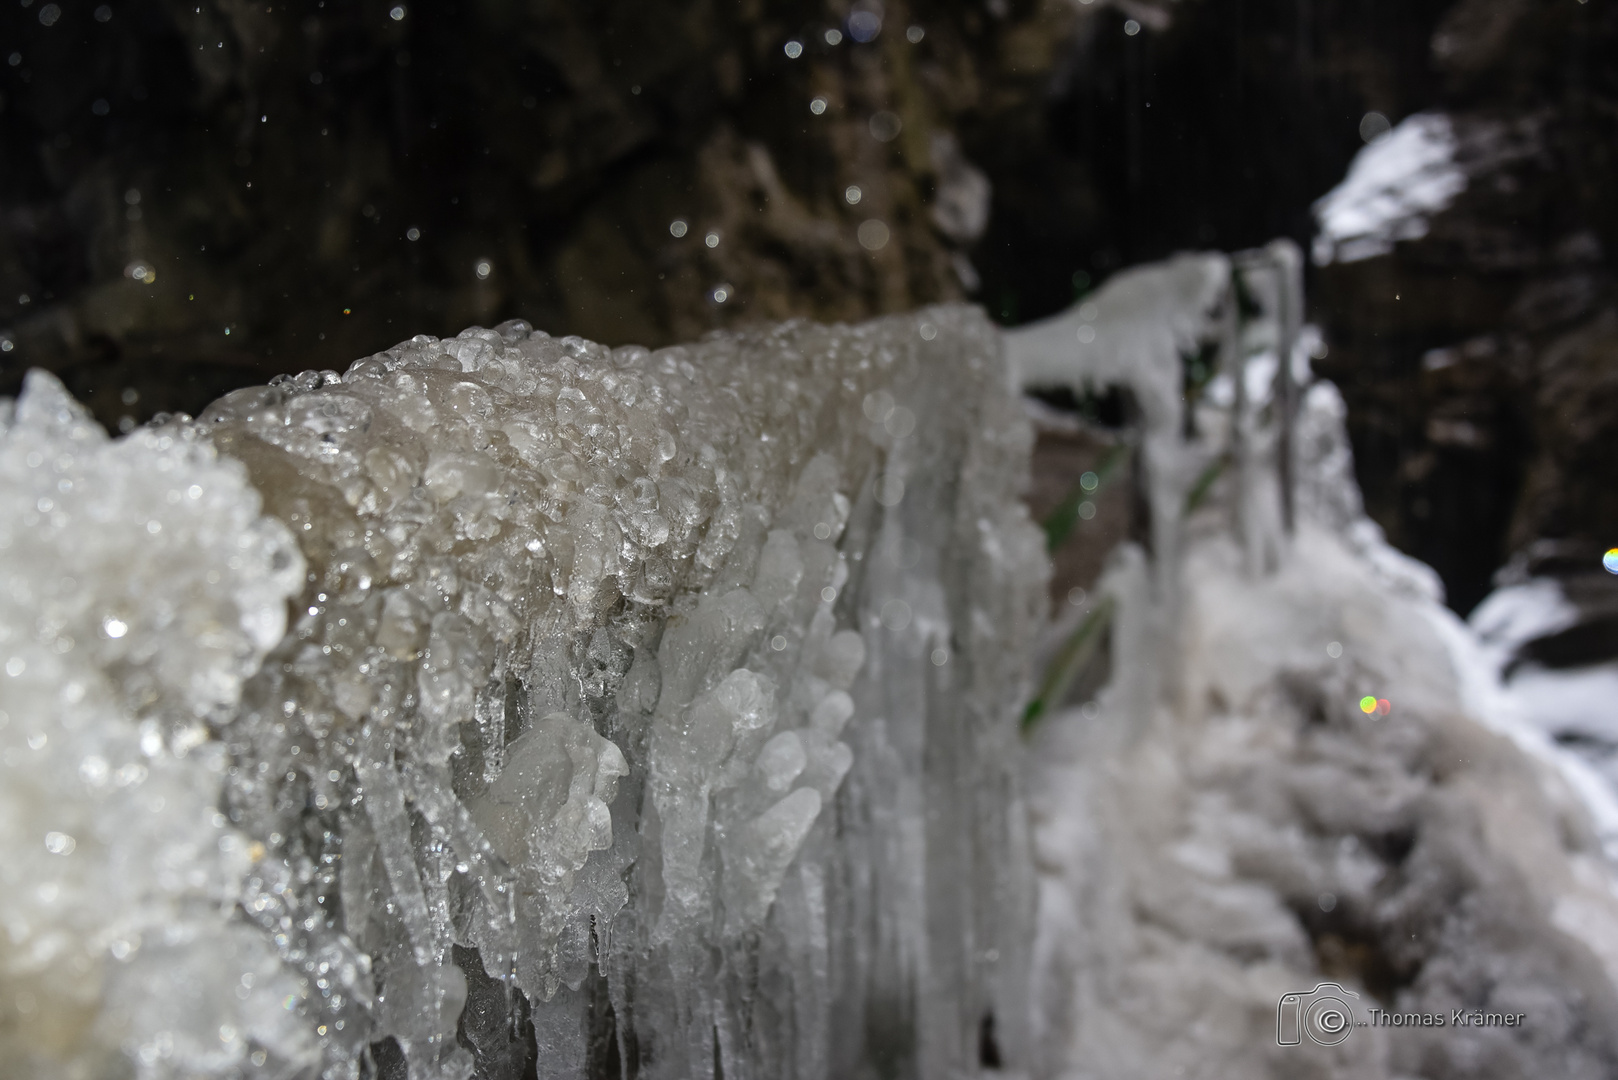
(1323, 1014)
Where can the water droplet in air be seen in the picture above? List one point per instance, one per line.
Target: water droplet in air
(885, 126)
(793, 49)
(397, 14)
(900, 422)
(895, 615)
(483, 268)
(712, 239)
(915, 34)
(1373, 124)
(852, 194)
(1334, 649)
(59, 843)
(817, 106)
(864, 25)
(873, 235)
(834, 36)
(49, 14)
(1131, 27)
(114, 626)
(677, 228)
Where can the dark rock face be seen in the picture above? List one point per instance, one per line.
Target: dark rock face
(177, 170)
(201, 194)
(1480, 362)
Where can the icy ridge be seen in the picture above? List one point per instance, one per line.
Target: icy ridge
(640, 710)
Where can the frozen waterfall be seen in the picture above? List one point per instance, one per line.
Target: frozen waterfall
(656, 707)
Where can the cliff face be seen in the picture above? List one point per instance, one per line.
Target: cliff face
(1480, 361)
(200, 195)
(313, 179)
(205, 194)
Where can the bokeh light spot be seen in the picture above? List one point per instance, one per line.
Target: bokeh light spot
(864, 25)
(873, 235)
(1373, 124)
(885, 126)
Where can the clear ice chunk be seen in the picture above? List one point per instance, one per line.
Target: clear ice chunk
(585, 721)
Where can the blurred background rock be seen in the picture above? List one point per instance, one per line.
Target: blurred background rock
(196, 196)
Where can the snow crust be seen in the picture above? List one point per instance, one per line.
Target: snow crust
(1396, 183)
(649, 711)
(139, 587)
(1225, 824)
(1573, 709)
(1256, 834)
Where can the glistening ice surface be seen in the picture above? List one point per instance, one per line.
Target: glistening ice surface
(654, 709)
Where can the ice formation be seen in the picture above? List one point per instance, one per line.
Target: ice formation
(139, 588)
(641, 712)
(1133, 333)
(1226, 823)
(656, 714)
